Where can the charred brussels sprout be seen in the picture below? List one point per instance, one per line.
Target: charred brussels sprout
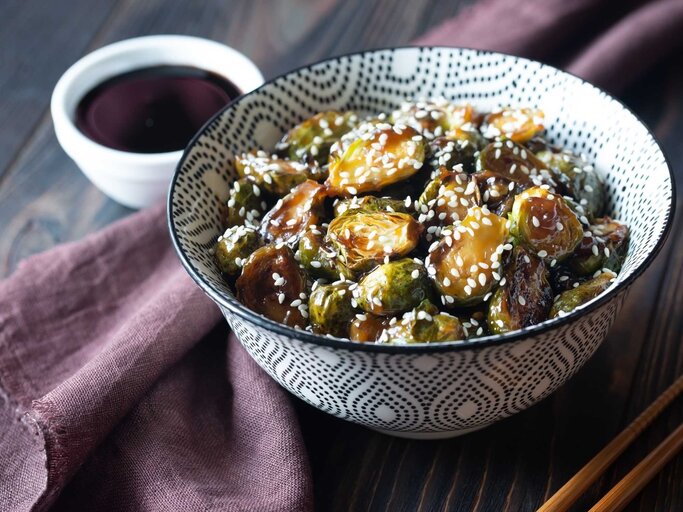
(274, 175)
(514, 162)
(455, 153)
(367, 327)
(433, 118)
(292, 215)
(497, 192)
(363, 240)
(424, 324)
(244, 205)
(330, 309)
(234, 247)
(572, 299)
(578, 178)
(526, 297)
(447, 199)
(393, 288)
(316, 256)
(369, 204)
(271, 282)
(385, 155)
(519, 124)
(545, 224)
(604, 245)
(311, 140)
(466, 263)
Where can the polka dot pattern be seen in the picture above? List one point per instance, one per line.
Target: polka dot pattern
(462, 385)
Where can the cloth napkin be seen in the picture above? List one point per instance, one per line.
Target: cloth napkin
(119, 387)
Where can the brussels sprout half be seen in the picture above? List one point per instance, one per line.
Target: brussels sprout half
(330, 309)
(604, 245)
(447, 199)
(466, 263)
(433, 118)
(457, 152)
(367, 327)
(272, 284)
(234, 247)
(363, 240)
(519, 124)
(271, 174)
(513, 161)
(316, 255)
(369, 204)
(568, 301)
(424, 324)
(245, 204)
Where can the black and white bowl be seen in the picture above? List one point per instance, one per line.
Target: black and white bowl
(441, 389)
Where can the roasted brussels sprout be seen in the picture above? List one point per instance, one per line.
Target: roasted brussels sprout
(514, 162)
(273, 285)
(579, 179)
(433, 118)
(545, 224)
(456, 153)
(519, 124)
(244, 205)
(567, 301)
(311, 140)
(385, 155)
(604, 245)
(368, 327)
(447, 199)
(526, 297)
(316, 256)
(466, 263)
(330, 309)
(370, 204)
(363, 240)
(234, 247)
(562, 278)
(497, 192)
(393, 288)
(424, 324)
(292, 215)
(274, 175)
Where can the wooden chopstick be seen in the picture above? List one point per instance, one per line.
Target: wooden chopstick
(588, 474)
(628, 487)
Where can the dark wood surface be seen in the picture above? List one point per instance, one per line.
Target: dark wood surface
(513, 465)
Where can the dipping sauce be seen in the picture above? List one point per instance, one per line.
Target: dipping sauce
(152, 110)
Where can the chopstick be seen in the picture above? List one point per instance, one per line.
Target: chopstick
(628, 487)
(587, 475)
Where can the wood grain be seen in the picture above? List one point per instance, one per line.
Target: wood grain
(512, 466)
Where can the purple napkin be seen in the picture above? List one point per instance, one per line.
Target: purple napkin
(117, 391)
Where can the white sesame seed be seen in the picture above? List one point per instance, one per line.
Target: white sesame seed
(521, 300)
(415, 274)
(542, 253)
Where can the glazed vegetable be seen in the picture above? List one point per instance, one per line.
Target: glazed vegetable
(385, 155)
(519, 124)
(603, 245)
(330, 309)
(244, 205)
(447, 198)
(311, 140)
(544, 223)
(369, 204)
(316, 256)
(368, 327)
(525, 298)
(273, 285)
(234, 247)
(292, 215)
(274, 175)
(393, 288)
(433, 118)
(433, 222)
(579, 179)
(363, 240)
(571, 299)
(424, 324)
(466, 263)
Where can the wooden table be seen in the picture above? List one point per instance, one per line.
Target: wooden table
(512, 466)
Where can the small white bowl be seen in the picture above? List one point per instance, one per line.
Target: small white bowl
(136, 180)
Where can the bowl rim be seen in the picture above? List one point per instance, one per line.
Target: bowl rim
(415, 348)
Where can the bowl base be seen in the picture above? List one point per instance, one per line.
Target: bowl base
(428, 435)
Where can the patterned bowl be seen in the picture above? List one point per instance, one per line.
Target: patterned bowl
(441, 389)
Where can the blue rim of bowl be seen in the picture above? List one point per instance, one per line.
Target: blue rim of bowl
(470, 344)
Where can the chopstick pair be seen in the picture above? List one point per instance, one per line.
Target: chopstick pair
(629, 486)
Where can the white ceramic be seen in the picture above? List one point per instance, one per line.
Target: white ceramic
(135, 179)
(439, 389)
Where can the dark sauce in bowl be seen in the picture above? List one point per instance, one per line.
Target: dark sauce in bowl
(152, 110)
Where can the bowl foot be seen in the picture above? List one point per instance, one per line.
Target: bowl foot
(428, 435)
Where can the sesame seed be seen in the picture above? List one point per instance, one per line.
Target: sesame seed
(542, 253)
(595, 250)
(535, 221)
(415, 274)
(521, 300)
(280, 297)
(316, 264)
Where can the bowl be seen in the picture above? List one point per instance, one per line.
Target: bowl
(136, 180)
(440, 389)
